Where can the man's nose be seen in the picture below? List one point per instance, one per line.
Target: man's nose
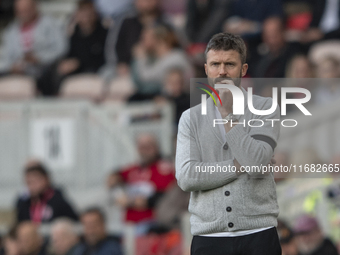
(223, 71)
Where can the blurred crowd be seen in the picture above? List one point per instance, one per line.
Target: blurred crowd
(147, 50)
(156, 46)
(147, 192)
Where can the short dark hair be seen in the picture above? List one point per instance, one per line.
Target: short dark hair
(225, 42)
(95, 210)
(85, 3)
(39, 168)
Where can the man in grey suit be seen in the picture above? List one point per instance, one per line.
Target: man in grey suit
(233, 211)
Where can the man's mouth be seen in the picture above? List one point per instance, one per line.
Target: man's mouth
(223, 81)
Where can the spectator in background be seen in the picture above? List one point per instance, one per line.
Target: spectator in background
(310, 239)
(205, 18)
(30, 242)
(327, 90)
(272, 62)
(299, 70)
(87, 43)
(174, 91)
(325, 22)
(42, 202)
(96, 239)
(87, 48)
(64, 238)
(287, 240)
(282, 158)
(148, 13)
(31, 43)
(299, 67)
(328, 68)
(145, 183)
(247, 16)
(11, 243)
(154, 56)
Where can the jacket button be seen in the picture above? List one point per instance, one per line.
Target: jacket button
(228, 209)
(225, 147)
(227, 193)
(230, 224)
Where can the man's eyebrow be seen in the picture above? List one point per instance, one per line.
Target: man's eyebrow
(230, 62)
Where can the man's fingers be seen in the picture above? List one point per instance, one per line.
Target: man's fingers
(273, 160)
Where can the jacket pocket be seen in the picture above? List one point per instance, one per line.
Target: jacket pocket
(259, 197)
(202, 205)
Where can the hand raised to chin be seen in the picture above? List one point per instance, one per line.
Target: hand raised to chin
(226, 98)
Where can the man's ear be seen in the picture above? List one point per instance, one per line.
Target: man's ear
(206, 69)
(244, 69)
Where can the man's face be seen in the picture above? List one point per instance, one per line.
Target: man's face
(29, 240)
(146, 6)
(86, 16)
(289, 248)
(309, 241)
(225, 64)
(36, 183)
(25, 10)
(148, 40)
(174, 84)
(94, 228)
(62, 241)
(273, 34)
(147, 148)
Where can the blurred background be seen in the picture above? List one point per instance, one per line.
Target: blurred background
(90, 97)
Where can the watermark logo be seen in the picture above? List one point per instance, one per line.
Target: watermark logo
(204, 97)
(238, 99)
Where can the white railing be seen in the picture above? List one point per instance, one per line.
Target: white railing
(78, 141)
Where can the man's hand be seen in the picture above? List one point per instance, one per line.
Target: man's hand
(18, 68)
(226, 98)
(113, 180)
(238, 168)
(123, 70)
(311, 35)
(31, 58)
(68, 66)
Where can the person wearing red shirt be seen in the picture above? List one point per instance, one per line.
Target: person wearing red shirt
(144, 183)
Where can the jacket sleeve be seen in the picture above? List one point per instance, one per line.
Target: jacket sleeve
(248, 150)
(188, 159)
